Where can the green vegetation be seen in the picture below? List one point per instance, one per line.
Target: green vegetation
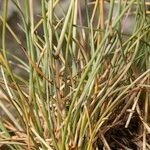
(88, 83)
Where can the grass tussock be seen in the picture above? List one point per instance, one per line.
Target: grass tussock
(88, 77)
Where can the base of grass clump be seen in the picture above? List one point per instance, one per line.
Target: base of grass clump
(87, 84)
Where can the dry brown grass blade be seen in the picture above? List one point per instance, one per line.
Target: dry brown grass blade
(35, 66)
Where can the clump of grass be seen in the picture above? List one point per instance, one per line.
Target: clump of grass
(88, 83)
